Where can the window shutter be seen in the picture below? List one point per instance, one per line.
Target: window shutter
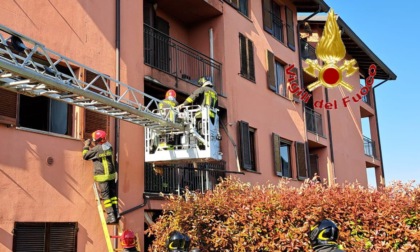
(290, 29)
(277, 157)
(251, 60)
(242, 44)
(246, 161)
(267, 17)
(94, 120)
(63, 237)
(301, 161)
(29, 237)
(271, 77)
(8, 102)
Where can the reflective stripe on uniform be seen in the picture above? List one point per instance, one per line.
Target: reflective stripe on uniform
(103, 178)
(114, 200)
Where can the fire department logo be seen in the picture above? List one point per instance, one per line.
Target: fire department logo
(330, 50)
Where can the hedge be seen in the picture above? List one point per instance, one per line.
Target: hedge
(238, 216)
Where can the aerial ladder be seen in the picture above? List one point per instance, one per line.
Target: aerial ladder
(29, 68)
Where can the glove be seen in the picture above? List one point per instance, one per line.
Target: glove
(88, 142)
(180, 106)
(116, 177)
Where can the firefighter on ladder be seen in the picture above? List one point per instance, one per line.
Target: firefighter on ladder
(128, 241)
(105, 175)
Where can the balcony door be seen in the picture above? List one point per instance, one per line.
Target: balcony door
(156, 39)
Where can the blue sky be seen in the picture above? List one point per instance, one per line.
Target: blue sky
(390, 31)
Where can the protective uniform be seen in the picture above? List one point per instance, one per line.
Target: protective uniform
(204, 96)
(169, 102)
(324, 237)
(104, 171)
(128, 241)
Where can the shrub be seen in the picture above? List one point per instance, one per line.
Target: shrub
(237, 216)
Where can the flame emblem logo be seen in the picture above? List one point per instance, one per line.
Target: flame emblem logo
(330, 49)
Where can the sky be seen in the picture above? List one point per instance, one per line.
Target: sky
(389, 30)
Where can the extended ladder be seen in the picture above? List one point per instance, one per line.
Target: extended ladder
(28, 67)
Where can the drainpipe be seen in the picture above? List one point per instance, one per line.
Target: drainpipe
(307, 159)
(377, 129)
(211, 53)
(330, 136)
(117, 92)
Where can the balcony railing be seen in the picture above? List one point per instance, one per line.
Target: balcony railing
(366, 98)
(175, 178)
(179, 60)
(314, 122)
(370, 148)
(306, 50)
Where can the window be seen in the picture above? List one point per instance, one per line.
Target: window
(247, 140)
(282, 156)
(45, 114)
(45, 236)
(290, 29)
(240, 5)
(8, 107)
(276, 80)
(247, 58)
(272, 19)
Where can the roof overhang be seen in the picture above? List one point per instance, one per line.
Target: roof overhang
(310, 5)
(356, 48)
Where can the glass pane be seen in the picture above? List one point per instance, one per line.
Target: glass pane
(58, 121)
(285, 159)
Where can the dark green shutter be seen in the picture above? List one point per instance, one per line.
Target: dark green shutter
(251, 64)
(243, 51)
(267, 17)
(290, 29)
(271, 76)
(301, 161)
(246, 161)
(277, 157)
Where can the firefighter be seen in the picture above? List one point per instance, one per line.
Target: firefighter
(169, 102)
(128, 241)
(105, 175)
(178, 242)
(204, 96)
(324, 237)
(168, 141)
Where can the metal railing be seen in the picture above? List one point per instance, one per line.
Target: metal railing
(314, 121)
(370, 148)
(366, 98)
(179, 60)
(176, 178)
(306, 50)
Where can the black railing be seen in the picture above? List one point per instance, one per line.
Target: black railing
(175, 178)
(366, 98)
(179, 60)
(370, 148)
(306, 50)
(314, 121)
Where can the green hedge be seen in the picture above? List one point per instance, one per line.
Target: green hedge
(237, 216)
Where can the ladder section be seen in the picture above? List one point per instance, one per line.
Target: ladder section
(27, 67)
(103, 221)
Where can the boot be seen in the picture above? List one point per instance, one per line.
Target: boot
(110, 219)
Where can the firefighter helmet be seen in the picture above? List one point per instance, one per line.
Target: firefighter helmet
(177, 241)
(128, 239)
(99, 136)
(170, 93)
(325, 232)
(205, 81)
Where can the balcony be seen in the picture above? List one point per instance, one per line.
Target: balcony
(175, 178)
(171, 56)
(370, 148)
(306, 50)
(196, 12)
(314, 122)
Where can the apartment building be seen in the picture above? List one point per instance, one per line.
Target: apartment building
(251, 50)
